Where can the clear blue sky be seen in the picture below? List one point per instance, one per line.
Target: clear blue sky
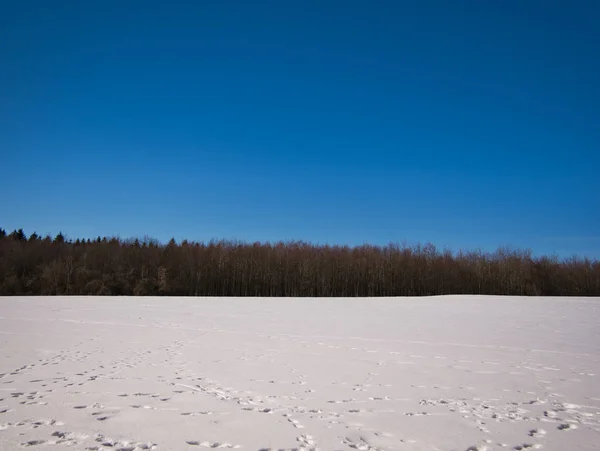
(468, 124)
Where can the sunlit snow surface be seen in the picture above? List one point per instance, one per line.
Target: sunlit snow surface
(446, 373)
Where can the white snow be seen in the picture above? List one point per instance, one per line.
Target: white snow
(445, 373)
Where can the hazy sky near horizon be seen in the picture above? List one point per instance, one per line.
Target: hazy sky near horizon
(466, 124)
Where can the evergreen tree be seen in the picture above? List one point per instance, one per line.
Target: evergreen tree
(18, 235)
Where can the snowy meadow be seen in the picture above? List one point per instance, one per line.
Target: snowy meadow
(439, 373)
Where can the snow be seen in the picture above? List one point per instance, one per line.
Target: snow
(443, 373)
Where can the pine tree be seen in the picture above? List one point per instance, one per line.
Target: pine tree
(18, 235)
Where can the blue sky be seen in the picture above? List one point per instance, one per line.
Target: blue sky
(466, 124)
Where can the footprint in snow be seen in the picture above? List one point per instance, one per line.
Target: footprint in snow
(212, 444)
(537, 432)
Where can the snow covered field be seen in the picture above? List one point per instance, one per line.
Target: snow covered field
(447, 373)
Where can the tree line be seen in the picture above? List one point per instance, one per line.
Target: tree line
(37, 265)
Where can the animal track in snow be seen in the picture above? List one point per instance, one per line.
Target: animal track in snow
(258, 409)
(103, 418)
(294, 422)
(121, 445)
(96, 405)
(33, 443)
(362, 444)
(481, 447)
(212, 444)
(537, 433)
(34, 424)
(38, 423)
(307, 443)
